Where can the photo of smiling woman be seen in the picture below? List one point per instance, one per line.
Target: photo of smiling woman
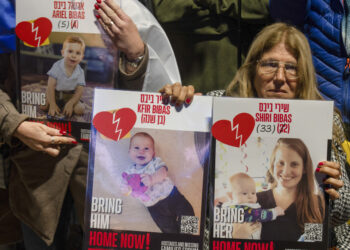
(294, 188)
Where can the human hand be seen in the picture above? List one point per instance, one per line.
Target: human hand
(146, 179)
(332, 170)
(40, 137)
(244, 230)
(68, 109)
(121, 29)
(177, 93)
(125, 189)
(279, 211)
(54, 109)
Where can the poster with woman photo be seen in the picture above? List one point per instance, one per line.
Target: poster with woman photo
(65, 51)
(147, 172)
(268, 193)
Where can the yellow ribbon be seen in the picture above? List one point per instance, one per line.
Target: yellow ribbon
(346, 148)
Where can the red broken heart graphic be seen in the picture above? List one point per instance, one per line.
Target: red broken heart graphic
(34, 33)
(235, 134)
(115, 125)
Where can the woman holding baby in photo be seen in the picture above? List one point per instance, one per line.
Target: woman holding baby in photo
(294, 189)
(292, 200)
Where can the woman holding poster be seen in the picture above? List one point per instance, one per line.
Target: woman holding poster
(279, 65)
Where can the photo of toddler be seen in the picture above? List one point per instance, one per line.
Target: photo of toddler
(66, 81)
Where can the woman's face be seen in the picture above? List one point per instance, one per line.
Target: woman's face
(288, 167)
(276, 85)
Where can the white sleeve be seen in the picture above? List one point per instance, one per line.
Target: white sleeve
(162, 67)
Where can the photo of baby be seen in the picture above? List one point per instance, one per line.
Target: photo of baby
(244, 197)
(162, 199)
(158, 175)
(66, 81)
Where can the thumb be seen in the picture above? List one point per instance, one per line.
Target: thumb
(52, 151)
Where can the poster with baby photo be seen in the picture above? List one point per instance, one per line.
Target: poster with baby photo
(268, 193)
(148, 168)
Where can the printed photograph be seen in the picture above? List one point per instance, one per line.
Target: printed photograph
(157, 177)
(58, 78)
(268, 189)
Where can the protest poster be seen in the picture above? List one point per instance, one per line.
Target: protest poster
(267, 191)
(64, 54)
(147, 176)
(47, 30)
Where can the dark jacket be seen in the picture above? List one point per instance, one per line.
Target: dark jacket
(38, 182)
(9, 121)
(205, 36)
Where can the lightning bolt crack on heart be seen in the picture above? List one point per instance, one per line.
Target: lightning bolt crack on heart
(236, 133)
(115, 125)
(34, 33)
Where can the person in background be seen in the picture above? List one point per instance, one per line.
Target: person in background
(14, 128)
(210, 37)
(326, 24)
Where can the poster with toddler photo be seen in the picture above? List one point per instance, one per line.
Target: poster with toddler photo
(57, 80)
(65, 52)
(63, 55)
(268, 193)
(147, 172)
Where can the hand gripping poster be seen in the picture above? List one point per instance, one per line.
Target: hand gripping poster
(268, 193)
(147, 174)
(64, 53)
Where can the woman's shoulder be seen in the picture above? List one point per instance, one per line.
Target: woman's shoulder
(266, 199)
(338, 127)
(264, 194)
(338, 140)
